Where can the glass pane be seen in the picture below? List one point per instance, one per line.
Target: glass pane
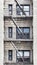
(10, 52)
(26, 53)
(10, 12)
(21, 29)
(21, 6)
(21, 13)
(26, 8)
(26, 30)
(10, 57)
(10, 6)
(10, 29)
(20, 53)
(17, 31)
(27, 13)
(17, 8)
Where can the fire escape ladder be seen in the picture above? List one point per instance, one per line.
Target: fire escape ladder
(13, 44)
(17, 27)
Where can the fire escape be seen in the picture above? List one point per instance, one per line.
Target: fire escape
(13, 20)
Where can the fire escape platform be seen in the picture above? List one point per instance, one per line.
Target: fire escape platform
(16, 40)
(21, 63)
(19, 17)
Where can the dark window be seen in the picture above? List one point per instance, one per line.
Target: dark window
(26, 56)
(23, 55)
(27, 33)
(9, 54)
(10, 32)
(10, 9)
(26, 9)
(18, 10)
(24, 34)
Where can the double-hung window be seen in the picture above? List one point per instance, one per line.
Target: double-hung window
(10, 9)
(18, 10)
(19, 56)
(10, 55)
(27, 56)
(10, 32)
(23, 55)
(24, 33)
(25, 8)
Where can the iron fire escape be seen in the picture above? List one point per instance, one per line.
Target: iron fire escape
(13, 44)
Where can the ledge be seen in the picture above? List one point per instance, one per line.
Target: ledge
(19, 17)
(21, 63)
(26, 40)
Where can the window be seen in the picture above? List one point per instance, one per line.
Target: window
(24, 34)
(19, 56)
(27, 32)
(26, 9)
(20, 52)
(23, 55)
(10, 9)
(18, 10)
(27, 56)
(10, 32)
(9, 54)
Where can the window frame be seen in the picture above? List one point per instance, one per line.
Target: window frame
(23, 8)
(23, 56)
(10, 5)
(27, 33)
(17, 57)
(10, 56)
(19, 35)
(10, 33)
(29, 9)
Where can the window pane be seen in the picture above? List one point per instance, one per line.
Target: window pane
(26, 30)
(10, 54)
(19, 53)
(27, 13)
(10, 29)
(26, 8)
(26, 56)
(21, 28)
(24, 33)
(10, 9)
(19, 12)
(10, 12)
(10, 6)
(10, 32)
(26, 53)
